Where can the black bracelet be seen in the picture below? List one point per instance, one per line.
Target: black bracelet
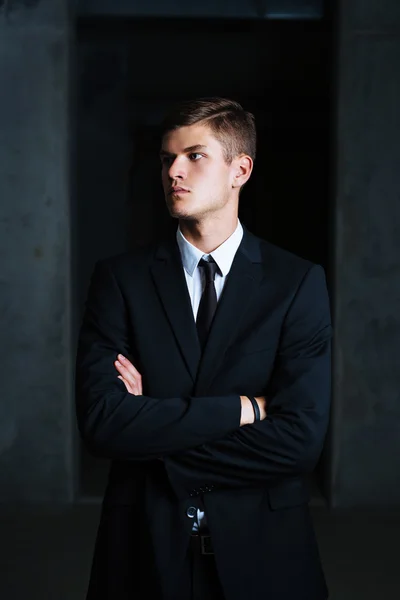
(255, 407)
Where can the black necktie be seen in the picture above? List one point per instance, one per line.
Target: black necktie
(208, 302)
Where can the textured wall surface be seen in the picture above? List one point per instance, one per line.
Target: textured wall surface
(37, 422)
(366, 460)
(35, 363)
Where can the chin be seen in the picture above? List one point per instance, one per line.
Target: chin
(178, 211)
(181, 214)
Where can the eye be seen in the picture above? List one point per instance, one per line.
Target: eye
(195, 156)
(165, 160)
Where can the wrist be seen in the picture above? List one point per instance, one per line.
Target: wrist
(247, 415)
(256, 408)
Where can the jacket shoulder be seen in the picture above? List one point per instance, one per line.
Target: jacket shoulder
(136, 258)
(282, 263)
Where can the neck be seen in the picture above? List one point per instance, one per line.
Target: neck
(208, 236)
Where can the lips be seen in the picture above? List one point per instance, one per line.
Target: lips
(177, 190)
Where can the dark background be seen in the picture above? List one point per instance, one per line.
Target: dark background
(83, 88)
(80, 98)
(131, 71)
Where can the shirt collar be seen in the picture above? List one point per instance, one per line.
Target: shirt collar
(223, 255)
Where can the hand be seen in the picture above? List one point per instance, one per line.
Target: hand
(129, 375)
(131, 378)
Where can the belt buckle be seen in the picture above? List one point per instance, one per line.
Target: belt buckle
(206, 544)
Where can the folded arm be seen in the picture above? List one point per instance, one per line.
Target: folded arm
(289, 441)
(117, 425)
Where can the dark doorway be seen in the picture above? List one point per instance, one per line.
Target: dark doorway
(129, 72)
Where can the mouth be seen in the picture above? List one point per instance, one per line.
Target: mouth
(178, 190)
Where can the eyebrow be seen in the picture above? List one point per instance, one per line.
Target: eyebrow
(188, 149)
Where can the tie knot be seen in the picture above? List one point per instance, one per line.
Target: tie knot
(210, 268)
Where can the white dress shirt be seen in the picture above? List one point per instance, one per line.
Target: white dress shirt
(195, 279)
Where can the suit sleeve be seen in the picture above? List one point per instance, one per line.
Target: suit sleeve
(289, 441)
(115, 424)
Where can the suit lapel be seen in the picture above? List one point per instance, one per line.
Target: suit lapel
(242, 283)
(169, 280)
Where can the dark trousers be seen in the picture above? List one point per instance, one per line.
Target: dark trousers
(199, 579)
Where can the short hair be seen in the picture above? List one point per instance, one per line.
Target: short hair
(233, 127)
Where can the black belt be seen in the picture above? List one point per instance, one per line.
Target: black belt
(202, 543)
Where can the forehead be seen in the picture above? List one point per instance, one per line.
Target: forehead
(178, 140)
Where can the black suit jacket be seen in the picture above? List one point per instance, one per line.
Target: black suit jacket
(270, 336)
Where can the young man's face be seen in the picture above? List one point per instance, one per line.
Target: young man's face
(197, 180)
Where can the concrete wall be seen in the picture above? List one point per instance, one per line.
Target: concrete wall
(366, 442)
(37, 421)
(35, 283)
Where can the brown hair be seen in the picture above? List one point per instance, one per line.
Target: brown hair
(231, 125)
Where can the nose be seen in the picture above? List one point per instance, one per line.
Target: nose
(176, 170)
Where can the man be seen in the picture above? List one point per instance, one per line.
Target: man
(203, 372)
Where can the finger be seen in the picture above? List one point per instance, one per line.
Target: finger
(125, 372)
(132, 389)
(126, 383)
(135, 383)
(127, 363)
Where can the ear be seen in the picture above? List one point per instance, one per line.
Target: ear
(242, 167)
